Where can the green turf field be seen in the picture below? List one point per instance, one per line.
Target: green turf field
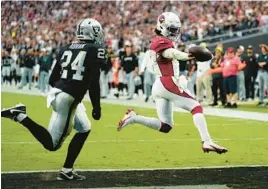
(133, 147)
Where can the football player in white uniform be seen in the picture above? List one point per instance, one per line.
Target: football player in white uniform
(169, 87)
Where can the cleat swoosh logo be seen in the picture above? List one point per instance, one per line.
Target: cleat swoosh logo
(19, 111)
(69, 177)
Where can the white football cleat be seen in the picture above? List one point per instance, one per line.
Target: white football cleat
(209, 146)
(127, 119)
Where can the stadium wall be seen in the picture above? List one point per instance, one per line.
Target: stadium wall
(254, 40)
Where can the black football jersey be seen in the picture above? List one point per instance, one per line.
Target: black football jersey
(6, 61)
(78, 69)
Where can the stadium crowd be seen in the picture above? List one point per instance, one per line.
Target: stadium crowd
(33, 31)
(52, 23)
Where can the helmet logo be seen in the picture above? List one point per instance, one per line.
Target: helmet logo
(161, 18)
(96, 29)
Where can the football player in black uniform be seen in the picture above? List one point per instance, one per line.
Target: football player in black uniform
(77, 70)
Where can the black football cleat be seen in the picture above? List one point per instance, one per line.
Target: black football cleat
(72, 175)
(13, 112)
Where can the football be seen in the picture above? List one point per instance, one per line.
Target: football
(201, 54)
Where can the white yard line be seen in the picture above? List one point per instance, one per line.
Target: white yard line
(140, 140)
(138, 169)
(139, 103)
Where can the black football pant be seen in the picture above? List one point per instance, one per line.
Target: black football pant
(217, 83)
(250, 82)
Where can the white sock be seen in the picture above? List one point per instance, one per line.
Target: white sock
(21, 117)
(150, 122)
(201, 125)
(66, 170)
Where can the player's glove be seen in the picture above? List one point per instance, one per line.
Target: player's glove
(96, 113)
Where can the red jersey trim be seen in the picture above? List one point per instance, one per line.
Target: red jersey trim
(173, 88)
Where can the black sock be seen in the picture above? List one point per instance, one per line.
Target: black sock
(4, 79)
(9, 80)
(19, 78)
(74, 148)
(39, 132)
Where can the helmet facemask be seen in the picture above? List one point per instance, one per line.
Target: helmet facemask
(174, 33)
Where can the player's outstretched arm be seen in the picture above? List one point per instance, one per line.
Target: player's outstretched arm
(94, 93)
(55, 74)
(176, 54)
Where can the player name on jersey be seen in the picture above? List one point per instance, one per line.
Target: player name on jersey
(77, 46)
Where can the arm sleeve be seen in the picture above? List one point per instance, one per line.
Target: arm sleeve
(175, 54)
(55, 74)
(94, 84)
(56, 71)
(94, 88)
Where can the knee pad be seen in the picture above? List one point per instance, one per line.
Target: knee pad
(51, 147)
(165, 128)
(197, 109)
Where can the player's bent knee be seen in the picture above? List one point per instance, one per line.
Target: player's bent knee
(49, 147)
(56, 146)
(197, 110)
(165, 128)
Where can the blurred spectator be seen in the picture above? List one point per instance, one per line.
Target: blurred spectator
(230, 68)
(129, 64)
(36, 68)
(27, 74)
(250, 71)
(20, 64)
(149, 77)
(104, 76)
(263, 72)
(6, 66)
(241, 90)
(139, 79)
(183, 64)
(39, 24)
(13, 74)
(217, 79)
(203, 80)
(191, 76)
(45, 62)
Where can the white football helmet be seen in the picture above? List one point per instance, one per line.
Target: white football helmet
(169, 24)
(90, 30)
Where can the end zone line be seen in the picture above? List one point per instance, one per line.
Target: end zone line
(139, 169)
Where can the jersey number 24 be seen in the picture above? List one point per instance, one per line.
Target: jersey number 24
(77, 65)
